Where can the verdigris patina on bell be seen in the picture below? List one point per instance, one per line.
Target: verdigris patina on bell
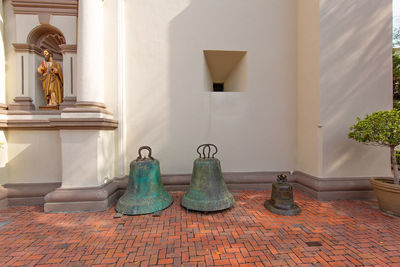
(145, 192)
(281, 201)
(207, 189)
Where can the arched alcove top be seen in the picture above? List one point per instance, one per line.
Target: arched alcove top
(47, 37)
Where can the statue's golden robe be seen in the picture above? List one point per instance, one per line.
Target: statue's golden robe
(52, 81)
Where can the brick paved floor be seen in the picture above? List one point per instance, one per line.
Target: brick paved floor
(351, 233)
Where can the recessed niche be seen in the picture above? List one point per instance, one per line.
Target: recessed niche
(218, 87)
(227, 70)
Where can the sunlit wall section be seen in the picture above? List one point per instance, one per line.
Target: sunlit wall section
(3, 140)
(2, 57)
(355, 79)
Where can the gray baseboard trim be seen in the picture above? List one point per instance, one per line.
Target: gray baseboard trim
(28, 194)
(3, 198)
(26, 201)
(319, 188)
(56, 199)
(334, 188)
(82, 199)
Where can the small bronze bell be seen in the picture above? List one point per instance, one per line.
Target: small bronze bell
(145, 192)
(281, 201)
(207, 189)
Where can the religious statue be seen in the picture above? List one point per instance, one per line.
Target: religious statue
(52, 79)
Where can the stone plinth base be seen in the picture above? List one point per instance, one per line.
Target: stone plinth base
(28, 194)
(82, 199)
(22, 103)
(48, 107)
(68, 102)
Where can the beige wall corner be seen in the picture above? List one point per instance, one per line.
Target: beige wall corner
(355, 79)
(308, 89)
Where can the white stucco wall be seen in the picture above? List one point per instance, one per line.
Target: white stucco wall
(169, 104)
(33, 156)
(67, 25)
(355, 79)
(2, 57)
(110, 55)
(87, 157)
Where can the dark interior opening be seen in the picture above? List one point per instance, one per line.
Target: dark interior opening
(218, 87)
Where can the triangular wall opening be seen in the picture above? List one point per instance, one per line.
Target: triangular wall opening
(228, 70)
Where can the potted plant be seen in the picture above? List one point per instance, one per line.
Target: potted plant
(382, 128)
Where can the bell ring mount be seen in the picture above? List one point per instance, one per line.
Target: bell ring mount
(203, 154)
(140, 157)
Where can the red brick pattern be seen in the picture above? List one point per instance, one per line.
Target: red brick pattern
(352, 233)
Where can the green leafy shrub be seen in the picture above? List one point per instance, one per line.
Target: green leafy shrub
(381, 128)
(396, 77)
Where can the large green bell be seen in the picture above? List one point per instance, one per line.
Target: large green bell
(145, 192)
(207, 189)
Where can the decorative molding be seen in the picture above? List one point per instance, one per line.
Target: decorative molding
(53, 7)
(68, 48)
(27, 48)
(77, 109)
(52, 42)
(28, 124)
(60, 123)
(33, 112)
(84, 123)
(22, 103)
(28, 194)
(89, 104)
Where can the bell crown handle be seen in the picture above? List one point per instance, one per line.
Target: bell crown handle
(140, 153)
(203, 153)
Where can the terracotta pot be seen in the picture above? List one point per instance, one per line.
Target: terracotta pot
(388, 195)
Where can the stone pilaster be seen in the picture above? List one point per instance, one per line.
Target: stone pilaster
(69, 75)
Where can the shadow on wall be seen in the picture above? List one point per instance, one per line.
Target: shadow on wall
(172, 108)
(250, 128)
(355, 60)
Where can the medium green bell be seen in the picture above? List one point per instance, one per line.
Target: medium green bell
(207, 189)
(145, 192)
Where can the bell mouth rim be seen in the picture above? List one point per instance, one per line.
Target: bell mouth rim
(207, 206)
(140, 210)
(288, 212)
